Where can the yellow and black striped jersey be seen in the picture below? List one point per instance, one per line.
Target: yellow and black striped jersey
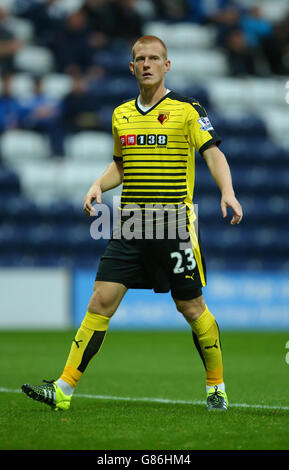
(157, 149)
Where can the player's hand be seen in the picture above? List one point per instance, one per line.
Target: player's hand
(94, 194)
(230, 201)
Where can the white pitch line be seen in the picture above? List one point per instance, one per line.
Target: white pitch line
(161, 400)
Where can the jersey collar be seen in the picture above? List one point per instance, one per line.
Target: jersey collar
(154, 106)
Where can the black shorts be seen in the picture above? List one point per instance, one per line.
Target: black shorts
(155, 264)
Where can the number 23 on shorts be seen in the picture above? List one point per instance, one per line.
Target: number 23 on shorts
(180, 265)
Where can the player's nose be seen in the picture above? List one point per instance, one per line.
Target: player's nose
(146, 63)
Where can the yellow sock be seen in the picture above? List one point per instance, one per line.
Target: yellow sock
(207, 340)
(87, 342)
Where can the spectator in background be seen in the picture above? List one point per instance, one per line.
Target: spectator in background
(208, 11)
(41, 113)
(276, 48)
(101, 18)
(47, 18)
(9, 44)
(231, 38)
(241, 58)
(238, 33)
(171, 10)
(129, 24)
(79, 108)
(226, 21)
(242, 37)
(255, 27)
(73, 53)
(114, 19)
(10, 107)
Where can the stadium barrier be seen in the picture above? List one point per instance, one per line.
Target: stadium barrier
(56, 298)
(238, 300)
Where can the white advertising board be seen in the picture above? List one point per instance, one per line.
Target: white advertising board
(34, 298)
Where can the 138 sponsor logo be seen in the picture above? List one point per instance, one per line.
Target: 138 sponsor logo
(143, 139)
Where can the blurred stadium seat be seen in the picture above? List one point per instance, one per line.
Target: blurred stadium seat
(198, 65)
(76, 178)
(40, 181)
(179, 35)
(56, 85)
(34, 59)
(114, 62)
(41, 195)
(20, 147)
(94, 146)
(22, 85)
(252, 94)
(21, 28)
(275, 11)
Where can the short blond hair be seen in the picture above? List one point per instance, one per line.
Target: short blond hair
(147, 40)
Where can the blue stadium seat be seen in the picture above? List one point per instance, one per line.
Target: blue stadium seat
(105, 115)
(114, 62)
(114, 90)
(272, 209)
(63, 212)
(252, 150)
(246, 126)
(260, 179)
(198, 93)
(245, 111)
(9, 181)
(23, 209)
(8, 236)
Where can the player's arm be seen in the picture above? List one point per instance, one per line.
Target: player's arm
(111, 178)
(220, 171)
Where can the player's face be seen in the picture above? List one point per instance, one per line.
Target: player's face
(149, 65)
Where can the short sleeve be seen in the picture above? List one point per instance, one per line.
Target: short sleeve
(200, 131)
(117, 150)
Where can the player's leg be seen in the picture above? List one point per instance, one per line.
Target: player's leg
(119, 269)
(88, 340)
(206, 337)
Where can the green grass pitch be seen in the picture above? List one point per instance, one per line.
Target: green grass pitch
(118, 403)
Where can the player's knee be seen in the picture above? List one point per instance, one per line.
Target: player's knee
(191, 309)
(101, 303)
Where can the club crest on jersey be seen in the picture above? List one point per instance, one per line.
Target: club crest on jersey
(163, 117)
(205, 124)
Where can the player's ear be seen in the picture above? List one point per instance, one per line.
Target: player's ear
(167, 65)
(131, 67)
